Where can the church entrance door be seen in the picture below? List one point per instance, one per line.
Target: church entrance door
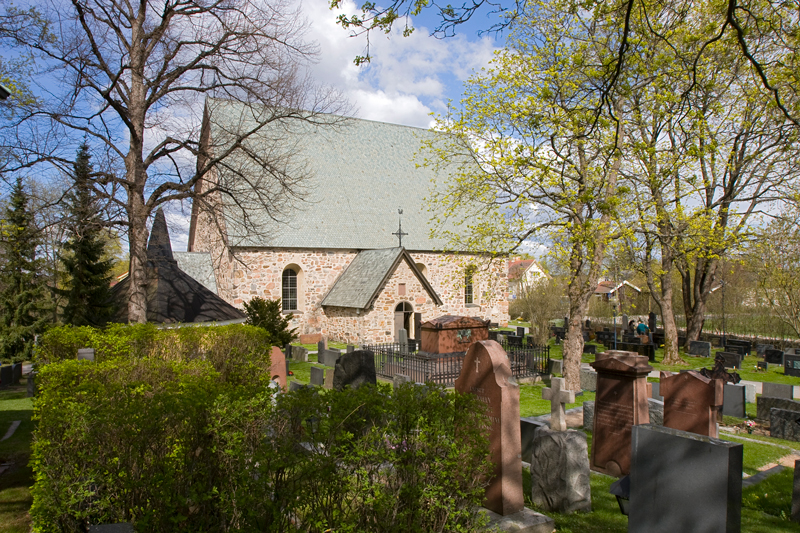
(403, 314)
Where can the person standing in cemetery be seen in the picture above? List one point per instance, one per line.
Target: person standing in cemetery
(642, 329)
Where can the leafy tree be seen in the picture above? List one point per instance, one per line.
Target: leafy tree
(88, 291)
(23, 296)
(132, 79)
(267, 314)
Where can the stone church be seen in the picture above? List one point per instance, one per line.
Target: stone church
(339, 259)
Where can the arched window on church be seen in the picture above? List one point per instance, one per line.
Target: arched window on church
(469, 296)
(289, 292)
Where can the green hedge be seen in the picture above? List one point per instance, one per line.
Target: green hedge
(171, 446)
(240, 353)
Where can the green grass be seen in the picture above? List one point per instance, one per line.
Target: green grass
(756, 455)
(331, 346)
(15, 495)
(532, 404)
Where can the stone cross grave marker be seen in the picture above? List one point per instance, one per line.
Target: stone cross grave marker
(558, 397)
(486, 373)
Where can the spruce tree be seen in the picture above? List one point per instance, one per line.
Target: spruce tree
(23, 295)
(88, 290)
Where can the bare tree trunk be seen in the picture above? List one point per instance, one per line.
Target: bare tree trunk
(671, 355)
(137, 235)
(573, 342)
(697, 290)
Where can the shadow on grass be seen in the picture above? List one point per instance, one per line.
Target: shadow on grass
(15, 497)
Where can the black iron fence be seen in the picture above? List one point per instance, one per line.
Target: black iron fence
(444, 369)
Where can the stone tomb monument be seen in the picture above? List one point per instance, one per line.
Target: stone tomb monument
(620, 403)
(486, 373)
(691, 402)
(450, 334)
(559, 459)
(682, 481)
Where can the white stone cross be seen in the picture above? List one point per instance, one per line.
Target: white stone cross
(558, 397)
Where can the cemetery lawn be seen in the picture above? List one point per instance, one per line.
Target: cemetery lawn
(532, 404)
(15, 483)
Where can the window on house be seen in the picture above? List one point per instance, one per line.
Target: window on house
(289, 292)
(468, 288)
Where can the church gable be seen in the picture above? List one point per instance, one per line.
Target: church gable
(362, 282)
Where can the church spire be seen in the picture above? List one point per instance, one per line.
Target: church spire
(159, 247)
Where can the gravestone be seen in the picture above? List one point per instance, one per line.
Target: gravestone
(486, 374)
(6, 375)
(791, 365)
(449, 333)
(656, 410)
(682, 481)
(796, 492)
(294, 385)
(310, 338)
(279, 369)
(558, 396)
(355, 369)
(762, 348)
(555, 366)
(750, 392)
(691, 402)
(520, 331)
(762, 365)
(86, 354)
(300, 354)
(514, 341)
(329, 357)
(527, 429)
(322, 345)
(655, 391)
(620, 403)
(32, 384)
(773, 357)
(625, 323)
(735, 348)
(734, 398)
(588, 414)
(699, 348)
(560, 471)
(317, 376)
(402, 340)
(350, 348)
(16, 373)
(730, 359)
(399, 379)
(287, 351)
(784, 424)
(329, 373)
(764, 404)
(590, 349)
(588, 380)
(777, 390)
(652, 321)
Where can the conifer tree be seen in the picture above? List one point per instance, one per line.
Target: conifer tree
(88, 291)
(23, 296)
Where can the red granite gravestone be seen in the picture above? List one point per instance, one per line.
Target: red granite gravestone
(691, 402)
(278, 366)
(620, 403)
(486, 373)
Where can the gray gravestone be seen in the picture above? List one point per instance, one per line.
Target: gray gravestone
(656, 409)
(796, 492)
(784, 424)
(125, 527)
(402, 339)
(588, 380)
(355, 369)
(300, 354)
(6, 375)
(287, 352)
(588, 415)
(699, 348)
(590, 349)
(527, 430)
(773, 357)
(328, 357)
(556, 366)
(317, 376)
(764, 404)
(560, 471)
(16, 373)
(32, 384)
(350, 348)
(656, 392)
(625, 322)
(734, 398)
(762, 348)
(86, 354)
(682, 481)
(777, 390)
(293, 386)
(791, 365)
(398, 379)
(322, 344)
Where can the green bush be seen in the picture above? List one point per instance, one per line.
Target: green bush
(267, 314)
(240, 353)
(170, 446)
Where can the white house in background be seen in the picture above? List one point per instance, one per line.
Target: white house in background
(608, 289)
(523, 273)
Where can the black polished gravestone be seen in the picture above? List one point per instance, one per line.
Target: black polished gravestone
(590, 349)
(16, 373)
(773, 357)
(735, 348)
(734, 400)
(791, 365)
(730, 359)
(796, 492)
(355, 369)
(514, 340)
(6, 375)
(762, 348)
(682, 481)
(699, 348)
(744, 347)
(520, 331)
